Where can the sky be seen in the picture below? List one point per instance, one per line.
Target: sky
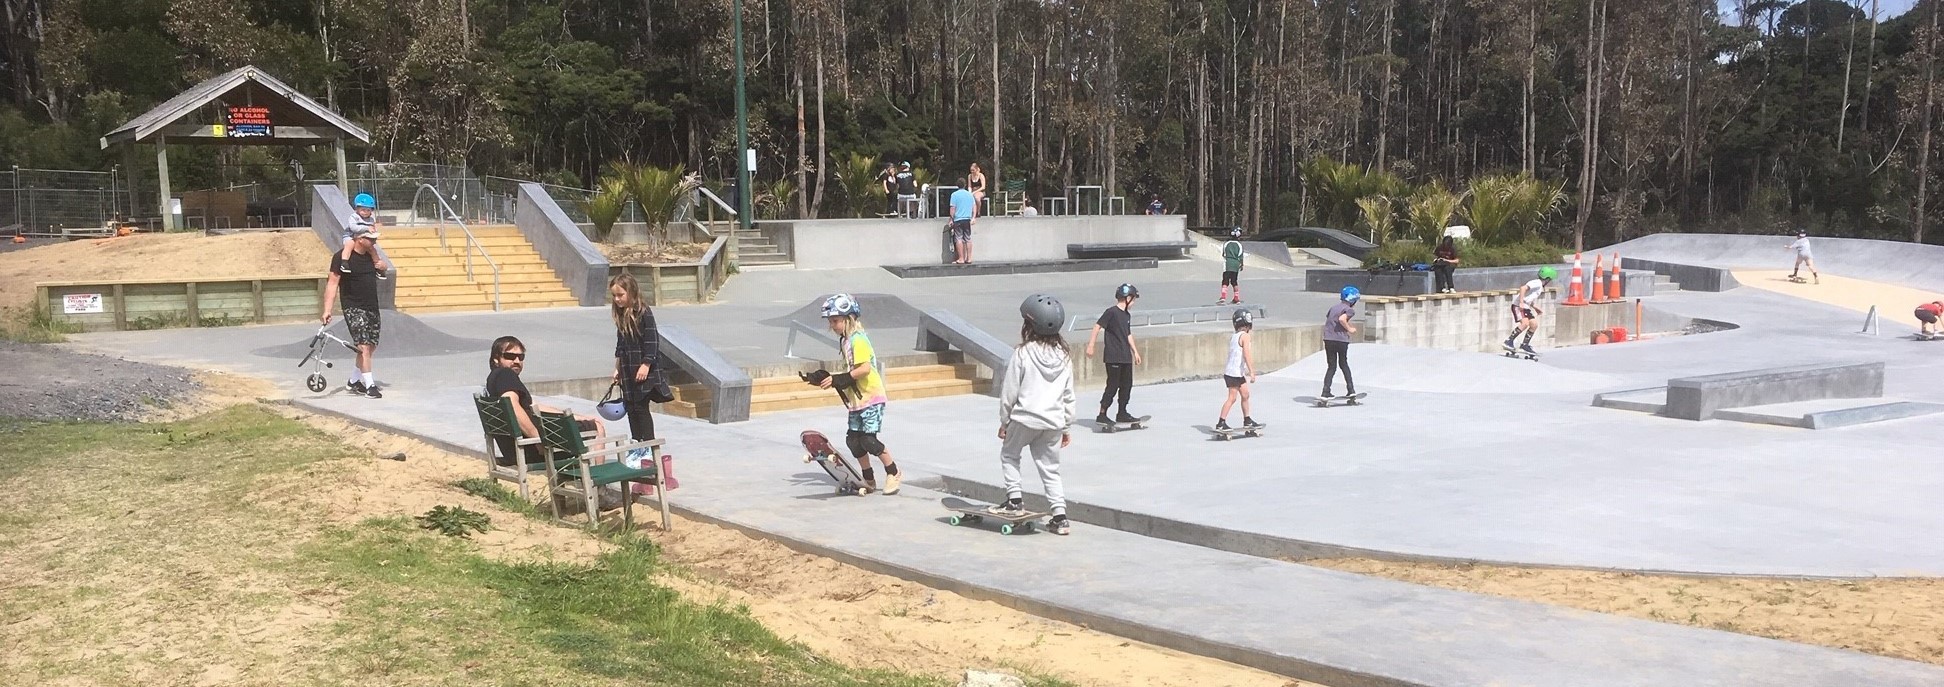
(1885, 8)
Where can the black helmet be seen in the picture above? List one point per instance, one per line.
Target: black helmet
(1235, 232)
(1243, 316)
(1126, 291)
(1044, 314)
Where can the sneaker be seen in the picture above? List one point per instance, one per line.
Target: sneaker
(1250, 423)
(1222, 425)
(1125, 418)
(356, 386)
(1059, 525)
(1236, 301)
(633, 458)
(1508, 347)
(1527, 349)
(373, 392)
(1009, 507)
(1326, 394)
(870, 485)
(1103, 420)
(891, 483)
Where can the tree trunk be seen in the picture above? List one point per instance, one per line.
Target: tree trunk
(1384, 92)
(802, 142)
(998, 168)
(1849, 60)
(1869, 72)
(1924, 143)
(822, 163)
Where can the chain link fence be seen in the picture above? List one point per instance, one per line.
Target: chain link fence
(53, 202)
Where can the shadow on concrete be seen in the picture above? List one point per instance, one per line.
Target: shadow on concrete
(400, 336)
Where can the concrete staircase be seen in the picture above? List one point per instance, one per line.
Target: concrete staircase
(1665, 284)
(775, 394)
(433, 279)
(753, 249)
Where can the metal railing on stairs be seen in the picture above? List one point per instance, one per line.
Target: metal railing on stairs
(472, 242)
(815, 334)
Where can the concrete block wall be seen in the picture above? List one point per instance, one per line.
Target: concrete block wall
(1473, 321)
(833, 243)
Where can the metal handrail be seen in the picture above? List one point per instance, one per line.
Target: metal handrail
(706, 193)
(472, 242)
(789, 344)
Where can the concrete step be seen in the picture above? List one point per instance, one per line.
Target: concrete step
(773, 394)
(486, 289)
(487, 305)
(482, 301)
(499, 254)
(892, 377)
(455, 242)
(819, 398)
(426, 267)
(762, 258)
(416, 279)
(480, 231)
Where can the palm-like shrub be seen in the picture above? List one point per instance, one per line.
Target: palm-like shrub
(1431, 210)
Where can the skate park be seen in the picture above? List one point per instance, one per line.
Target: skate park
(1457, 455)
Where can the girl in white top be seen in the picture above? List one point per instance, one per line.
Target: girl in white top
(1239, 371)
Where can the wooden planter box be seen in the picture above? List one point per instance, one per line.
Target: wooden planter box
(161, 303)
(688, 282)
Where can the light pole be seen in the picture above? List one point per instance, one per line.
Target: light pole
(742, 129)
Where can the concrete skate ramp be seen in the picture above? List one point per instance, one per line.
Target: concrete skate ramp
(881, 311)
(1911, 264)
(399, 336)
(1430, 370)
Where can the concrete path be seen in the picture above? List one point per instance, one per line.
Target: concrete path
(1321, 625)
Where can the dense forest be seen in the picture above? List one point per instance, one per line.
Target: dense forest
(1646, 115)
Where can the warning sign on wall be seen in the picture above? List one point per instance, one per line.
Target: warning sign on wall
(81, 303)
(248, 121)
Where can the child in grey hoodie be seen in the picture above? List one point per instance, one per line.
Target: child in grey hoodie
(1036, 407)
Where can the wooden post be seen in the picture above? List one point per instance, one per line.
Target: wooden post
(655, 280)
(195, 309)
(162, 182)
(121, 310)
(344, 179)
(256, 299)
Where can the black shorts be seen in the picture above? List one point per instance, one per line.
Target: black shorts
(1228, 278)
(1234, 382)
(363, 325)
(1521, 313)
(1926, 316)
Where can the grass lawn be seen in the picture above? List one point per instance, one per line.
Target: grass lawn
(170, 554)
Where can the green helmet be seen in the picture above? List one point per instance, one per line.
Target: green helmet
(1548, 273)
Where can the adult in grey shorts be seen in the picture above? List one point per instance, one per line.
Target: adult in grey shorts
(355, 283)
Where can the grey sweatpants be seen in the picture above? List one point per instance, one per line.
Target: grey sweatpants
(1045, 445)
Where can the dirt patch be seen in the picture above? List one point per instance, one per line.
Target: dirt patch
(641, 254)
(853, 616)
(183, 255)
(1901, 618)
(45, 382)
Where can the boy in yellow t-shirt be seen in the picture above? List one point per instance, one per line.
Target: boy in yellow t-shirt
(862, 388)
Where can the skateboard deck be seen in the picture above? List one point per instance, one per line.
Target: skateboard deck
(818, 450)
(1522, 354)
(1798, 280)
(1320, 402)
(966, 512)
(1233, 432)
(1138, 423)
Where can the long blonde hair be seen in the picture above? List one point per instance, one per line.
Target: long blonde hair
(627, 320)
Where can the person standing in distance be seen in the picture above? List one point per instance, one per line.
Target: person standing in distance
(965, 208)
(1121, 355)
(1155, 207)
(354, 281)
(907, 185)
(1802, 257)
(1036, 409)
(1336, 340)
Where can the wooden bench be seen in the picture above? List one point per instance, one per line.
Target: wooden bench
(1156, 249)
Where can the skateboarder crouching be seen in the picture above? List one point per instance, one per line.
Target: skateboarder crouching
(1336, 341)
(1121, 354)
(1036, 408)
(1239, 372)
(1928, 314)
(862, 388)
(1525, 311)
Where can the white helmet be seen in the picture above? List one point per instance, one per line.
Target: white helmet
(840, 305)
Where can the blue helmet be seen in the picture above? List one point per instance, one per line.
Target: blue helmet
(1350, 294)
(364, 200)
(841, 305)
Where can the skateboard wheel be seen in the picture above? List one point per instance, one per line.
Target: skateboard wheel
(1006, 529)
(957, 520)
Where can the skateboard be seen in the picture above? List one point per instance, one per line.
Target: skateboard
(1921, 337)
(1138, 423)
(818, 450)
(966, 512)
(1320, 402)
(1232, 432)
(1796, 279)
(1528, 355)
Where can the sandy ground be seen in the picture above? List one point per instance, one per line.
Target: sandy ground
(851, 615)
(1895, 304)
(1902, 618)
(180, 255)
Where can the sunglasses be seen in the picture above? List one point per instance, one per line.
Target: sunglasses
(512, 356)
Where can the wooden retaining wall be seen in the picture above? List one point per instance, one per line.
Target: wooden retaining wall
(684, 282)
(161, 303)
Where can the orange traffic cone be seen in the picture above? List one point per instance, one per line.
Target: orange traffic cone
(1616, 281)
(1599, 284)
(1576, 294)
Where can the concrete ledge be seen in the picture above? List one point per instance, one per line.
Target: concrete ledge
(1689, 277)
(1649, 400)
(1699, 398)
(980, 269)
(729, 387)
(1154, 249)
(940, 330)
(560, 242)
(1846, 417)
(1416, 283)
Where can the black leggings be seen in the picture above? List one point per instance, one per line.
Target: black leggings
(641, 423)
(1338, 355)
(1120, 380)
(1442, 272)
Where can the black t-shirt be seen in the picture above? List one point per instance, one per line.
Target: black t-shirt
(359, 287)
(907, 184)
(498, 382)
(1115, 324)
